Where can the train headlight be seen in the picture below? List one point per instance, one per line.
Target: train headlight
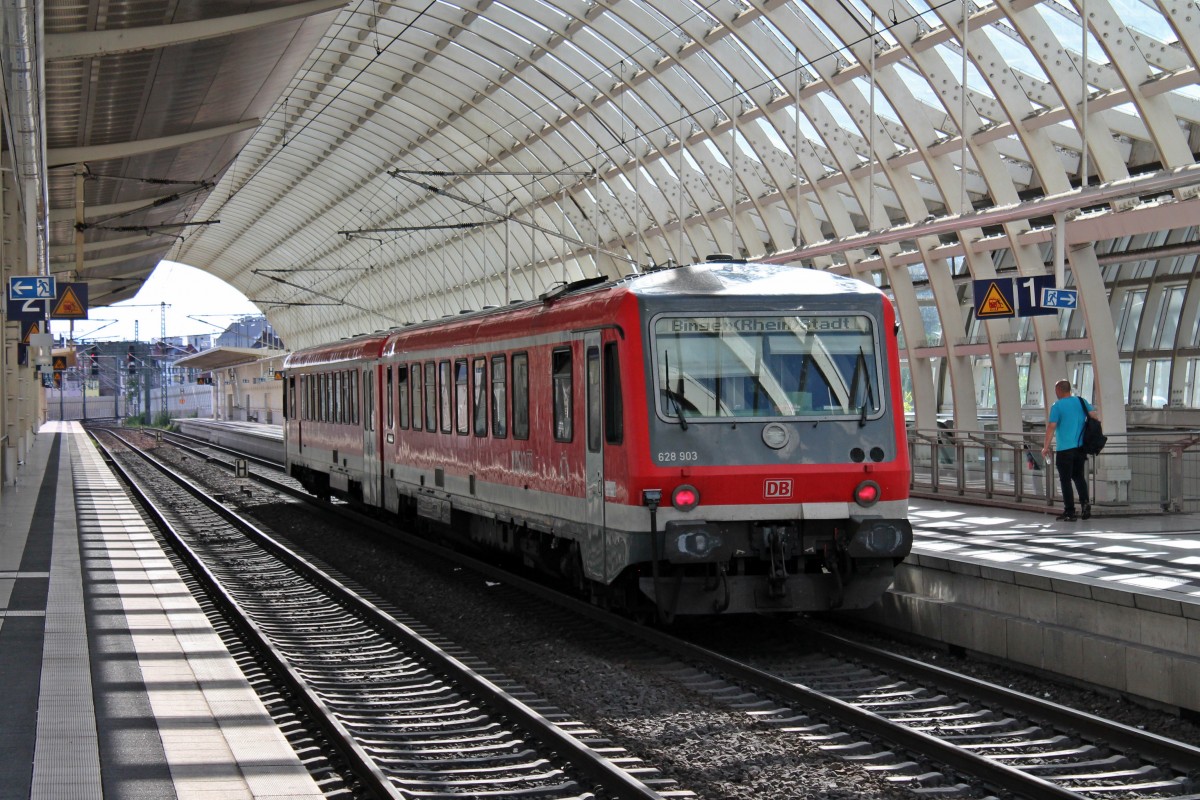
(697, 544)
(866, 494)
(685, 498)
(775, 436)
(881, 538)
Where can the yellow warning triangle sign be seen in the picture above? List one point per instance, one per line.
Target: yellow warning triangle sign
(34, 327)
(68, 306)
(995, 304)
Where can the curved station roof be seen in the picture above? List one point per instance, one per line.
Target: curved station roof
(357, 167)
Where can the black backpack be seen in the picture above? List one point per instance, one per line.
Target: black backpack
(1093, 439)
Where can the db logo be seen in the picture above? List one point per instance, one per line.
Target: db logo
(777, 488)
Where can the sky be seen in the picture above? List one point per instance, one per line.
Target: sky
(197, 303)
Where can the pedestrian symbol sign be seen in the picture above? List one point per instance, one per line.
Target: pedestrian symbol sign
(994, 298)
(1060, 298)
(30, 287)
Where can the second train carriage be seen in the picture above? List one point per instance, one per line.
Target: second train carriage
(720, 438)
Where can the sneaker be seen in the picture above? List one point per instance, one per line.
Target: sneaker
(1065, 517)
(1087, 511)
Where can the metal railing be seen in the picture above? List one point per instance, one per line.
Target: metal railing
(1139, 471)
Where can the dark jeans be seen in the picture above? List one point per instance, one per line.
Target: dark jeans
(1071, 464)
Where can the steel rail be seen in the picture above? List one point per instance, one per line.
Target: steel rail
(1150, 746)
(616, 781)
(363, 765)
(265, 462)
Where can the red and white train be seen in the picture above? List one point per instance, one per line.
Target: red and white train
(718, 438)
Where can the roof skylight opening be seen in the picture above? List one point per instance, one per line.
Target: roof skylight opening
(715, 152)
(1064, 23)
(882, 34)
(1017, 57)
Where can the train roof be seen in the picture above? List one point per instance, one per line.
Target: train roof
(719, 276)
(741, 278)
(357, 347)
(574, 303)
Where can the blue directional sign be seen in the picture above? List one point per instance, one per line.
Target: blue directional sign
(24, 310)
(31, 287)
(1060, 298)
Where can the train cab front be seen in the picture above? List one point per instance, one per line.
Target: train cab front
(777, 475)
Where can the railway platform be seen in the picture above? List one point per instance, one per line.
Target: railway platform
(114, 683)
(1113, 601)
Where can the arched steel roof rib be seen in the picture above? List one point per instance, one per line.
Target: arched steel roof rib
(601, 137)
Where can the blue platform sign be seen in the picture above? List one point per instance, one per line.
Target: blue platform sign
(1030, 292)
(31, 287)
(24, 310)
(1060, 298)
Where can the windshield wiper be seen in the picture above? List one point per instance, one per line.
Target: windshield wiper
(869, 397)
(670, 394)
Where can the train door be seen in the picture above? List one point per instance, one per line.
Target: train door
(594, 447)
(372, 495)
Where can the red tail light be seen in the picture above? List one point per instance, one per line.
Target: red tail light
(867, 493)
(685, 497)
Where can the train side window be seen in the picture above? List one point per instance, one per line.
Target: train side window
(338, 405)
(562, 377)
(391, 401)
(352, 376)
(368, 398)
(614, 411)
(462, 397)
(520, 396)
(480, 393)
(289, 398)
(445, 404)
(330, 414)
(402, 391)
(430, 396)
(499, 397)
(593, 399)
(418, 397)
(324, 398)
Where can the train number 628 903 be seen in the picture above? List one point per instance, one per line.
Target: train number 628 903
(669, 456)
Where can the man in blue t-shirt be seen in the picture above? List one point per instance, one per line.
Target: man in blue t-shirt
(1067, 416)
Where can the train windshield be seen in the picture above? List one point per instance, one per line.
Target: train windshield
(813, 365)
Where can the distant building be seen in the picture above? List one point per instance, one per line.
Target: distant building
(252, 331)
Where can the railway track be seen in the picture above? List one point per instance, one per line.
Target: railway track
(1016, 743)
(946, 733)
(413, 715)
